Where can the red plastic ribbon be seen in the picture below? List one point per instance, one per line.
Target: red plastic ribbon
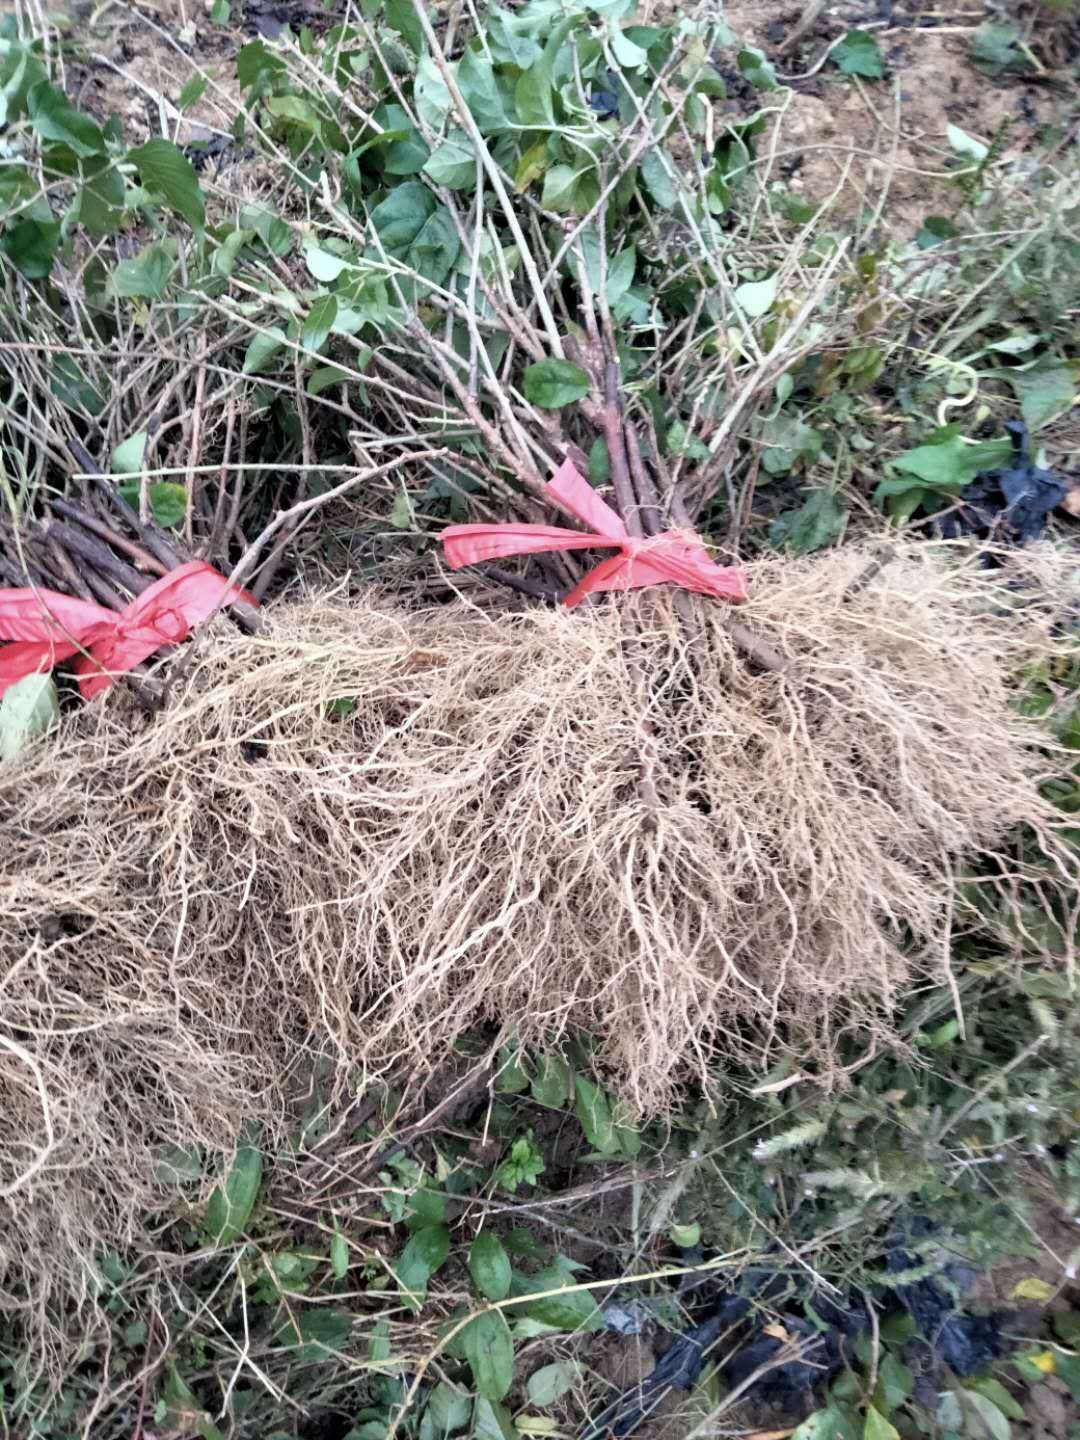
(669, 557)
(46, 627)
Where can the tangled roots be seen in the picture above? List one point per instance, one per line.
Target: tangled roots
(365, 830)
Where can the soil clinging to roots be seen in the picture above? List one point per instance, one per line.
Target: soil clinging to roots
(363, 831)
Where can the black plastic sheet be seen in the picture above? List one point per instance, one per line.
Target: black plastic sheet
(1010, 504)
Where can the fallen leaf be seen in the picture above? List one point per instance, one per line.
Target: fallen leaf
(1032, 1288)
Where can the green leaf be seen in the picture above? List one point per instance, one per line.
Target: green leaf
(616, 275)
(562, 184)
(29, 708)
(753, 66)
(431, 97)
(573, 1310)
(788, 440)
(489, 1266)
(901, 507)
(795, 208)
(895, 1384)
(401, 512)
(491, 1421)
(220, 11)
(401, 16)
(935, 229)
(551, 1382)
(552, 1085)
(30, 245)
(599, 474)
(480, 90)
(296, 111)
(533, 98)
(511, 1078)
(858, 54)
(73, 389)
(994, 47)
(226, 255)
(166, 171)
(324, 377)
(629, 1140)
(127, 458)
(593, 1109)
(406, 154)
(490, 1353)
(831, 1423)
(426, 1251)
(339, 1255)
(685, 1236)
(168, 501)
(193, 91)
(367, 1430)
(453, 163)
(513, 35)
(551, 384)
(20, 71)
(380, 1346)
(145, 276)
(181, 1411)
(448, 1409)
(175, 1165)
(755, 297)
(262, 348)
(318, 1332)
(521, 1167)
(1017, 344)
(1043, 393)
(629, 54)
(436, 248)
(320, 321)
(231, 1204)
(658, 179)
(324, 266)
(876, 1427)
(53, 117)
(996, 1393)
(402, 215)
(255, 64)
(425, 1207)
(270, 228)
(1068, 1370)
(531, 166)
(814, 525)
(986, 1419)
(18, 183)
(100, 205)
(946, 464)
(533, 93)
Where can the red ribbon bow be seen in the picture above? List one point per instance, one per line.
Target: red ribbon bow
(671, 556)
(47, 627)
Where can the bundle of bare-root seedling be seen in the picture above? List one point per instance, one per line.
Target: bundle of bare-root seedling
(366, 830)
(682, 829)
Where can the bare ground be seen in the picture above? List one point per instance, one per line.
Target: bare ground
(879, 146)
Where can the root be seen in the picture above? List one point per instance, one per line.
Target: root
(364, 831)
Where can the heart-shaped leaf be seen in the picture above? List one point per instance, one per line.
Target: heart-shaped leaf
(551, 384)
